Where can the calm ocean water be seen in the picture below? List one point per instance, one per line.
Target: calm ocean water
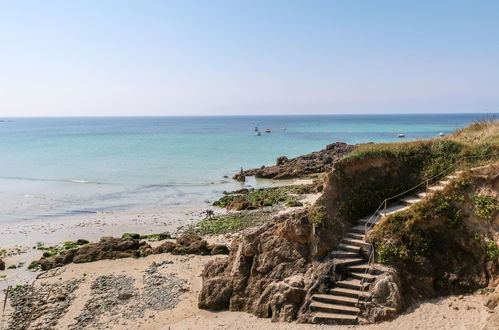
(65, 166)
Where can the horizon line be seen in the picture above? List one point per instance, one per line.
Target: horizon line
(258, 115)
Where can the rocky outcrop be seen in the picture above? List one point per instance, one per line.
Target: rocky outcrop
(190, 244)
(106, 248)
(116, 248)
(302, 166)
(385, 294)
(269, 270)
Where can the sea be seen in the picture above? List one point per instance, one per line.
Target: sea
(60, 167)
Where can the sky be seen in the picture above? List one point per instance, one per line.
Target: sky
(235, 57)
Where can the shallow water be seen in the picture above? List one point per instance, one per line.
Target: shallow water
(53, 167)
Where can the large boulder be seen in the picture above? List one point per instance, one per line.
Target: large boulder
(269, 270)
(386, 299)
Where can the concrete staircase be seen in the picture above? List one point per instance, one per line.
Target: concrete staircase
(343, 303)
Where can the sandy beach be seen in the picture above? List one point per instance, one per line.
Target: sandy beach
(460, 312)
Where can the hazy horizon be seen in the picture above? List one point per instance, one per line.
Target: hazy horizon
(219, 58)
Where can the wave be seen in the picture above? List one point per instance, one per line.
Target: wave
(49, 180)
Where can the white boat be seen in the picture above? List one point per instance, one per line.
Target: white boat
(258, 133)
(401, 135)
(267, 130)
(284, 128)
(441, 134)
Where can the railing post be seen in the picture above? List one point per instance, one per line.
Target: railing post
(385, 208)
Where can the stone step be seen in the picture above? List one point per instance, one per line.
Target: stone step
(444, 182)
(349, 247)
(359, 229)
(356, 235)
(334, 318)
(345, 254)
(361, 275)
(411, 200)
(335, 299)
(349, 261)
(352, 283)
(393, 209)
(422, 195)
(333, 308)
(361, 268)
(347, 293)
(451, 177)
(370, 220)
(436, 188)
(352, 241)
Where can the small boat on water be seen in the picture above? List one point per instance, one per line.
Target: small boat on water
(284, 128)
(256, 129)
(267, 130)
(441, 134)
(401, 135)
(258, 133)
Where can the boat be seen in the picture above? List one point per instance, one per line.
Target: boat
(284, 128)
(256, 129)
(441, 134)
(267, 130)
(401, 135)
(258, 133)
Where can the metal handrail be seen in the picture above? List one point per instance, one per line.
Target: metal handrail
(370, 221)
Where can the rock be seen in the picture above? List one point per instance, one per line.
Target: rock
(218, 249)
(239, 204)
(191, 244)
(386, 298)
(268, 271)
(492, 300)
(281, 160)
(106, 248)
(166, 247)
(302, 166)
(2, 265)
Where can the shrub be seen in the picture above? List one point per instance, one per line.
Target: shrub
(492, 250)
(485, 206)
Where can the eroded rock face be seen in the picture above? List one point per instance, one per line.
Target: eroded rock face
(268, 272)
(386, 298)
(315, 162)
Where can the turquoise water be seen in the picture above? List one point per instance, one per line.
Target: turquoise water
(53, 167)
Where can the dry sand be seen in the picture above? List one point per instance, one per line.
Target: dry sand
(465, 312)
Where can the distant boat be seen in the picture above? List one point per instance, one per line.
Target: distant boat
(401, 135)
(258, 133)
(256, 129)
(267, 130)
(441, 134)
(284, 128)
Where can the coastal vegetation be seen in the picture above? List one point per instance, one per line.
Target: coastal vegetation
(250, 199)
(373, 172)
(229, 223)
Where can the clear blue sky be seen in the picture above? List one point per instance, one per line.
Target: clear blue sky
(247, 57)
